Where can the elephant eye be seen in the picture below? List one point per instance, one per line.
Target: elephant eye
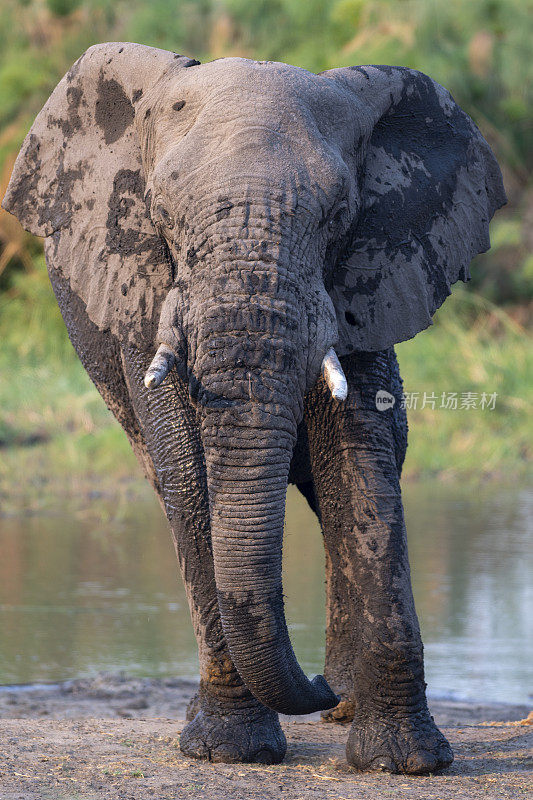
(337, 216)
(164, 217)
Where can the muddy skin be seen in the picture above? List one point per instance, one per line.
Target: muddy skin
(114, 111)
(370, 605)
(340, 666)
(241, 734)
(250, 236)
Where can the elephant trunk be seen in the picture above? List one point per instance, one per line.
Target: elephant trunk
(249, 379)
(247, 480)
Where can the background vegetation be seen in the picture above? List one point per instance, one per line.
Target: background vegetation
(480, 50)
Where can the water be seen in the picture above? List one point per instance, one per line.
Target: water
(78, 596)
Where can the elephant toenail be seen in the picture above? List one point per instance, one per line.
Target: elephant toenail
(384, 764)
(421, 763)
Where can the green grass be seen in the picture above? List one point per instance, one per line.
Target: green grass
(58, 439)
(473, 347)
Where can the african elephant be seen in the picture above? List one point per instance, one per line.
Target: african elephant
(240, 219)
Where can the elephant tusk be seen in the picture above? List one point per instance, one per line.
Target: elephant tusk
(162, 363)
(334, 376)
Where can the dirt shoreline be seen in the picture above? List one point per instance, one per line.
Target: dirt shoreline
(116, 737)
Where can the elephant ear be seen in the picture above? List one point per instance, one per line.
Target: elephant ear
(78, 181)
(429, 186)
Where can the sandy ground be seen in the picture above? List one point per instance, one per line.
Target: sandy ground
(113, 737)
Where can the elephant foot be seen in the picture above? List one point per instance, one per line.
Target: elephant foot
(249, 735)
(411, 744)
(341, 714)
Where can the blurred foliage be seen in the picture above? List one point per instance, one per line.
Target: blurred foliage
(474, 347)
(47, 399)
(480, 50)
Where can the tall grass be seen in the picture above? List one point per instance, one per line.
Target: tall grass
(474, 349)
(56, 435)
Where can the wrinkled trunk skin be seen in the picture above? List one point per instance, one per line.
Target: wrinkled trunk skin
(245, 337)
(247, 490)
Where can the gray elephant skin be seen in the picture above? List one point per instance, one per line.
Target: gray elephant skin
(249, 216)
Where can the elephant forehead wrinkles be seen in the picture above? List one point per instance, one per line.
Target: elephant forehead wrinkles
(248, 99)
(253, 148)
(247, 79)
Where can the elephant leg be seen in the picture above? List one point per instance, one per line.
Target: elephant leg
(370, 603)
(226, 722)
(100, 353)
(339, 661)
(339, 664)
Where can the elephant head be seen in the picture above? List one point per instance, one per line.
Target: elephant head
(247, 217)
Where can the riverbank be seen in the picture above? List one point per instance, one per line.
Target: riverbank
(115, 737)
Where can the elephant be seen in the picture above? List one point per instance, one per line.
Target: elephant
(236, 247)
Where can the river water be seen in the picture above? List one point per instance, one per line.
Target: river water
(78, 595)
